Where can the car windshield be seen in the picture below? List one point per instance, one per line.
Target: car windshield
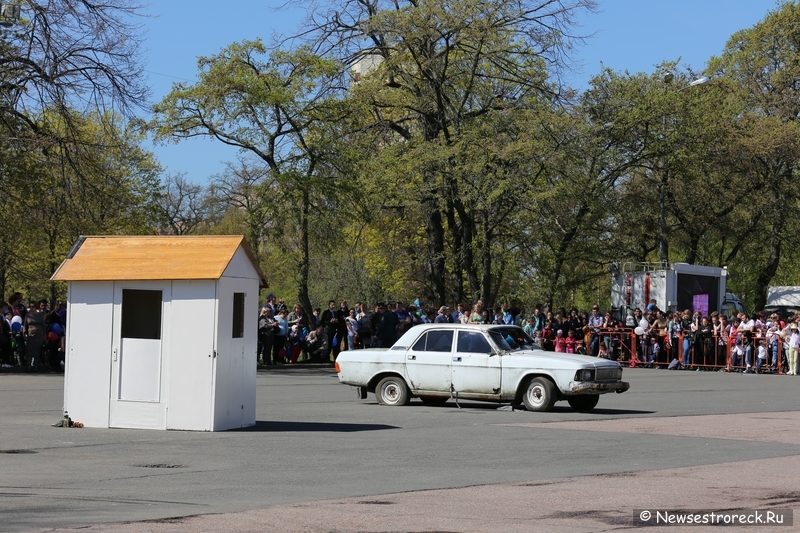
(511, 339)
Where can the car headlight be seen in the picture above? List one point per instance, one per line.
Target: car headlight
(587, 374)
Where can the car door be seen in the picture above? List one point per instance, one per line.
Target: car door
(476, 369)
(428, 361)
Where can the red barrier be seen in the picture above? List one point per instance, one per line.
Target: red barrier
(714, 353)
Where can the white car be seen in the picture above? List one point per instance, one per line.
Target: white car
(493, 363)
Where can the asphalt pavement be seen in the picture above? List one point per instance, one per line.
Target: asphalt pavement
(316, 442)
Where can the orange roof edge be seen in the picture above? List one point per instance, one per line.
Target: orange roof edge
(86, 268)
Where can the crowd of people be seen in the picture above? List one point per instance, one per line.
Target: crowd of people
(651, 337)
(32, 335)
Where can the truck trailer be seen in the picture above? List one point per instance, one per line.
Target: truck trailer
(673, 286)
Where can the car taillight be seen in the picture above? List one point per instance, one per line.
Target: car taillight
(336, 367)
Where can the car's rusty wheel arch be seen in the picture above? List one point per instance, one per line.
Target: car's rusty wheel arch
(374, 380)
(525, 381)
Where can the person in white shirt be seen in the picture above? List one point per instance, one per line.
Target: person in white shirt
(794, 346)
(746, 329)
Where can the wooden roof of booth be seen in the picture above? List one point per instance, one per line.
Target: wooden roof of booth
(152, 257)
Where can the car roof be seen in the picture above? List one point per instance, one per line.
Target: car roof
(417, 330)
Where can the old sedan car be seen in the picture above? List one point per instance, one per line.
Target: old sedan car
(494, 363)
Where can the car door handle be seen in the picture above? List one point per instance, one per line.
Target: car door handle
(457, 359)
(412, 357)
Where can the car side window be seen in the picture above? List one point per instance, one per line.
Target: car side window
(434, 341)
(439, 341)
(419, 346)
(473, 342)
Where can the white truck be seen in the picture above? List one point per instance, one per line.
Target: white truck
(784, 300)
(674, 287)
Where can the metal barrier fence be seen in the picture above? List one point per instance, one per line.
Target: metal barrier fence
(713, 352)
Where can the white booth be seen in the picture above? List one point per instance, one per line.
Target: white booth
(161, 332)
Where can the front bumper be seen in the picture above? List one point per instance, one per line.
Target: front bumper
(592, 387)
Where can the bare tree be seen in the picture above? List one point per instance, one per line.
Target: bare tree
(63, 56)
(184, 205)
(244, 186)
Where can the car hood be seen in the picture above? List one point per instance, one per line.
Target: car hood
(560, 359)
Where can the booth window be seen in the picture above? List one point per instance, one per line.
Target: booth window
(141, 314)
(238, 315)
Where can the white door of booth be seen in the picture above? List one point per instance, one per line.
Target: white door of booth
(138, 395)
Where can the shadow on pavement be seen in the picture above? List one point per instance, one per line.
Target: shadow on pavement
(309, 427)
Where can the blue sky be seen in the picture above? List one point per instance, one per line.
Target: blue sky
(632, 35)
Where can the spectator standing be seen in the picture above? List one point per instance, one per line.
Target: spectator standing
(560, 342)
(747, 328)
(365, 329)
(34, 329)
(279, 342)
(688, 335)
(538, 321)
(5, 340)
(794, 347)
(595, 323)
(330, 322)
(266, 332)
(341, 329)
(571, 343)
(403, 318)
(374, 322)
(298, 318)
(272, 304)
(459, 316)
(352, 329)
(477, 313)
(530, 327)
(441, 316)
(387, 328)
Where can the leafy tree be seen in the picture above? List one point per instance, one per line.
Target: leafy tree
(434, 68)
(275, 106)
(101, 184)
(762, 63)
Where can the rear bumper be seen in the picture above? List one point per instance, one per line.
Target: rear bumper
(591, 387)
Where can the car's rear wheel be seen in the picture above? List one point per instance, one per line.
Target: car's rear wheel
(583, 403)
(540, 395)
(392, 390)
(434, 400)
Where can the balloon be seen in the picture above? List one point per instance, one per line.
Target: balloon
(57, 329)
(16, 320)
(644, 324)
(639, 330)
(52, 336)
(16, 326)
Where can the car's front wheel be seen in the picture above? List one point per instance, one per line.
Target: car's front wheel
(540, 395)
(392, 390)
(583, 403)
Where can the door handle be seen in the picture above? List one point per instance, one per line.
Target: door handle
(457, 359)
(412, 357)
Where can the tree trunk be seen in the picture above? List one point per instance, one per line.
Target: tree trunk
(769, 269)
(457, 273)
(486, 262)
(435, 236)
(302, 271)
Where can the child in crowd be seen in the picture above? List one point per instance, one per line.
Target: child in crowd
(547, 336)
(761, 360)
(603, 351)
(572, 343)
(560, 342)
(652, 352)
